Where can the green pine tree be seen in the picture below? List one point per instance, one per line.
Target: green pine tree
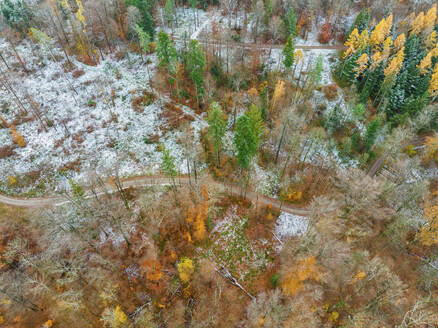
(288, 52)
(195, 64)
(316, 73)
(146, 8)
(168, 163)
(144, 38)
(169, 11)
(361, 22)
(246, 141)
(371, 133)
(217, 127)
(166, 52)
(290, 22)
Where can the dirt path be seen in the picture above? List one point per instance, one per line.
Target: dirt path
(138, 182)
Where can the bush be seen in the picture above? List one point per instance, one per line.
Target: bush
(331, 91)
(275, 280)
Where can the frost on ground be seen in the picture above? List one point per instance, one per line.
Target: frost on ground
(289, 225)
(233, 249)
(187, 23)
(92, 123)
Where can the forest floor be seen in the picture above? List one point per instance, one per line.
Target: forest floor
(99, 117)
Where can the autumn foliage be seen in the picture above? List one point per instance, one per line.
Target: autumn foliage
(304, 270)
(326, 33)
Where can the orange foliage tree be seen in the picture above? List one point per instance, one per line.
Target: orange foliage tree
(428, 234)
(326, 33)
(304, 270)
(197, 215)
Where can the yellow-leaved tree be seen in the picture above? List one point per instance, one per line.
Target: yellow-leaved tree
(417, 24)
(428, 234)
(293, 280)
(431, 148)
(433, 86)
(115, 318)
(362, 62)
(431, 40)
(426, 64)
(429, 19)
(197, 216)
(376, 59)
(356, 42)
(185, 269)
(381, 31)
(400, 41)
(394, 65)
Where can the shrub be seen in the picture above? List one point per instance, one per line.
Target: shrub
(331, 91)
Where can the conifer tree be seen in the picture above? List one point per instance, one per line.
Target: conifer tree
(371, 133)
(216, 128)
(195, 62)
(145, 7)
(166, 52)
(246, 140)
(316, 73)
(169, 11)
(290, 21)
(288, 52)
(361, 22)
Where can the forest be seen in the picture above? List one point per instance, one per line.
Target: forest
(218, 163)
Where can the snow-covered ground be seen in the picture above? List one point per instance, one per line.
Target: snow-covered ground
(289, 225)
(87, 131)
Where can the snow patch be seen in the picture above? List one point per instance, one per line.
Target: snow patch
(289, 225)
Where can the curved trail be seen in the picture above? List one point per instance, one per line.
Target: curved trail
(138, 182)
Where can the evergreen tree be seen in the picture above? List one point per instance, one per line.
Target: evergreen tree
(169, 11)
(290, 22)
(144, 39)
(371, 133)
(333, 121)
(216, 128)
(246, 141)
(268, 11)
(288, 52)
(166, 52)
(361, 22)
(168, 163)
(195, 63)
(316, 74)
(345, 71)
(145, 7)
(359, 111)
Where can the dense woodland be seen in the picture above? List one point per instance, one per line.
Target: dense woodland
(229, 163)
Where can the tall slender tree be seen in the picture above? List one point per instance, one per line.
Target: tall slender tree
(216, 128)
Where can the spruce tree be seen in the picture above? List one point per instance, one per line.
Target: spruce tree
(216, 128)
(361, 22)
(290, 22)
(288, 52)
(316, 73)
(246, 141)
(371, 133)
(166, 52)
(169, 11)
(195, 63)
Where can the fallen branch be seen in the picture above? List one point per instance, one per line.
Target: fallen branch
(227, 275)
